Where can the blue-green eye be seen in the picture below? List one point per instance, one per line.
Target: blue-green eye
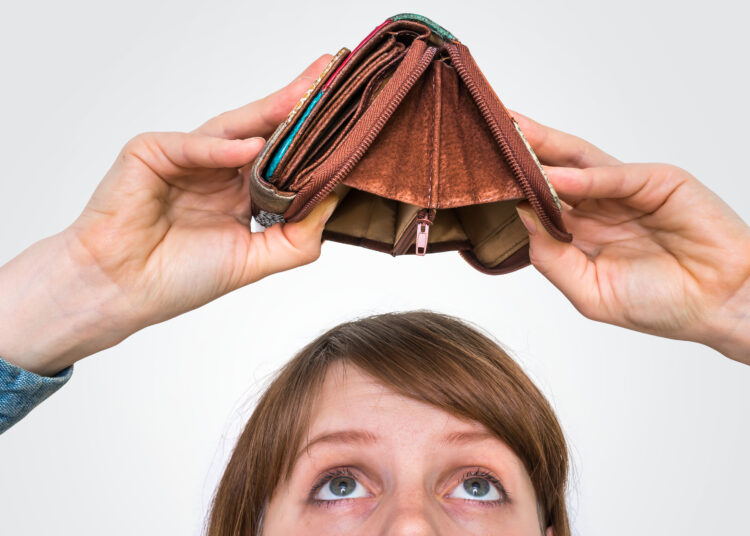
(476, 488)
(341, 487)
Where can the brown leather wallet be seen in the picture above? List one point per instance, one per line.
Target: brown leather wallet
(422, 152)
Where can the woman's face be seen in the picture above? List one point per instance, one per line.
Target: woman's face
(375, 462)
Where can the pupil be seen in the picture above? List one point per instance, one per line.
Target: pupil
(477, 487)
(342, 486)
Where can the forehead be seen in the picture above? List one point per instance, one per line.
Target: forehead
(351, 399)
(347, 391)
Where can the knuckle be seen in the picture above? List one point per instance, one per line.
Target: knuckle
(668, 170)
(580, 157)
(224, 129)
(139, 143)
(670, 175)
(132, 144)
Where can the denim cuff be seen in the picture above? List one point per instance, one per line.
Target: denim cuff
(21, 391)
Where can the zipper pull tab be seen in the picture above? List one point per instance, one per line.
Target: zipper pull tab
(424, 220)
(423, 231)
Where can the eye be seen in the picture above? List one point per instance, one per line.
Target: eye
(476, 488)
(341, 487)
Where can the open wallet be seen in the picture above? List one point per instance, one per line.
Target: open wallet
(421, 152)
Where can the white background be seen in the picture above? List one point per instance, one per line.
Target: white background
(136, 441)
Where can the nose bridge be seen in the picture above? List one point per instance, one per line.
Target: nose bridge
(412, 511)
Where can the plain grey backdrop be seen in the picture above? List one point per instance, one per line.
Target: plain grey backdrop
(137, 440)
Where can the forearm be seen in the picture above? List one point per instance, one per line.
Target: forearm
(55, 309)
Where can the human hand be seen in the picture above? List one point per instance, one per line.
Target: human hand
(653, 249)
(166, 231)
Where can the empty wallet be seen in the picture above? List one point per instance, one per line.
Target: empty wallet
(422, 153)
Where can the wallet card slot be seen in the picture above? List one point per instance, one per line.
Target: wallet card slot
(355, 110)
(320, 181)
(334, 133)
(317, 145)
(367, 66)
(334, 101)
(387, 47)
(274, 146)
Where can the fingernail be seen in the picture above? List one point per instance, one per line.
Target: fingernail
(527, 220)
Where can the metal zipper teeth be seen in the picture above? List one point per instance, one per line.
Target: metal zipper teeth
(497, 134)
(365, 144)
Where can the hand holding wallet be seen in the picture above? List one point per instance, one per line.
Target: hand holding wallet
(422, 152)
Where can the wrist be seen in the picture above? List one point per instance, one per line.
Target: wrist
(731, 334)
(56, 308)
(728, 326)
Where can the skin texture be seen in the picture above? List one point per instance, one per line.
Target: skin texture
(167, 231)
(654, 250)
(409, 458)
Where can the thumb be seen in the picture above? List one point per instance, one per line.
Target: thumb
(306, 233)
(566, 266)
(288, 245)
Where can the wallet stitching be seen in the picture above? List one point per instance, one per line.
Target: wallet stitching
(430, 143)
(435, 135)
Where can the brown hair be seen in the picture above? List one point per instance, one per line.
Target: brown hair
(427, 356)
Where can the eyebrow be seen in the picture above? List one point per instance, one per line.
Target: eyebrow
(468, 437)
(340, 436)
(363, 436)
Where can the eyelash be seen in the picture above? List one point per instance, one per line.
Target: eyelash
(323, 480)
(482, 473)
(345, 471)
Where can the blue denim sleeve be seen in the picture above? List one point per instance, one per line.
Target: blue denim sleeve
(21, 391)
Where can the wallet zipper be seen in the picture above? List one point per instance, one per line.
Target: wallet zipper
(370, 136)
(507, 152)
(418, 233)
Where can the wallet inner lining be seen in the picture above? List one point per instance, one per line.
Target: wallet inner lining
(436, 150)
(492, 230)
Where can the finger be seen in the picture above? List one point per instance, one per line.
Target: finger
(261, 117)
(288, 245)
(170, 154)
(562, 263)
(559, 148)
(644, 186)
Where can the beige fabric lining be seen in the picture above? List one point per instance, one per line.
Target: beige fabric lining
(493, 229)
